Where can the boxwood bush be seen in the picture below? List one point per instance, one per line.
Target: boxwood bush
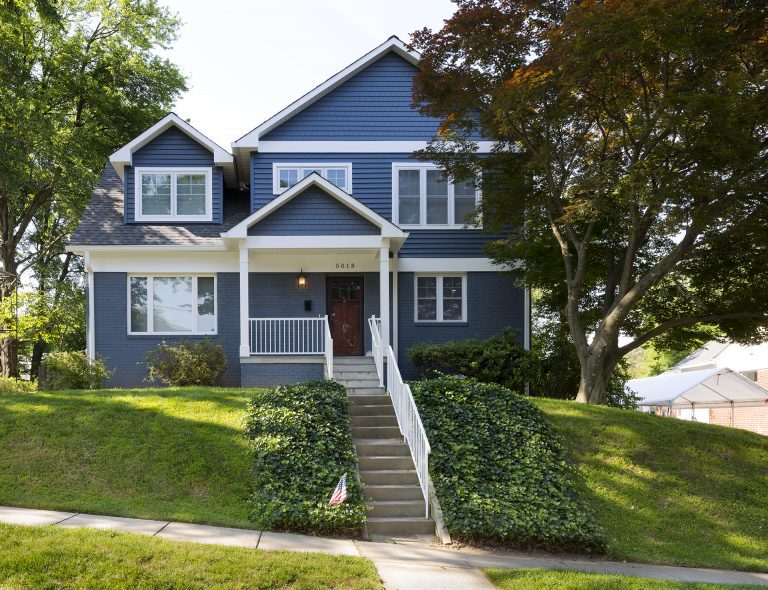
(188, 362)
(302, 444)
(499, 470)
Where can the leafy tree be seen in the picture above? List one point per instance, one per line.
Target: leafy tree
(78, 78)
(631, 142)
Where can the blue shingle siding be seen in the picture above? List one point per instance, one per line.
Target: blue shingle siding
(316, 213)
(493, 303)
(173, 148)
(125, 353)
(269, 374)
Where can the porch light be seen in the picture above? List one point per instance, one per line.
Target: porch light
(301, 280)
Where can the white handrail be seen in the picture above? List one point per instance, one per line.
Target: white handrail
(407, 413)
(374, 324)
(328, 349)
(292, 336)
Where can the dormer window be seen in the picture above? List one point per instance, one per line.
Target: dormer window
(286, 175)
(180, 194)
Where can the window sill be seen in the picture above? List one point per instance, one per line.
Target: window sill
(456, 324)
(155, 336)
(440, 227)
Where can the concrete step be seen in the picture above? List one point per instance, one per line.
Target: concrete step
(396, 508)
(378, 448)
(354, 361)
(363, 421)
(344, 376)
(388, 493)
(371, 410)
(358, 383)
(378, 463)
(369, 399)
(366, 391)
(390, 477)
(375, 432)
(400, 526)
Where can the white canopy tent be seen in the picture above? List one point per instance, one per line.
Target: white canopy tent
(708, 388)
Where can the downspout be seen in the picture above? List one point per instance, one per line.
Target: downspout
(90, 342)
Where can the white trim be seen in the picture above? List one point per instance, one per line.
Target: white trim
(388, 230)
(423, 168)
(82, 248)
(314, 242)
(384, 305)
(386, 146)
(174, 172)
(324, 166)
(527, 318)
(91, 334)
(447, 265)
(159, 261)
(395, 303)
(124, 156)
(251, 139)
(439, 295)
(150, 303)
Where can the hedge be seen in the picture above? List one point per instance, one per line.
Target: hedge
(302, 444)
(499, 470)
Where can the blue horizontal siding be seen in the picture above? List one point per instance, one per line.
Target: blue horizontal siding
(372, 186)
(313, 212)
(173, 148)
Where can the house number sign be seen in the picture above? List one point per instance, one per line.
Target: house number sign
(342, 265)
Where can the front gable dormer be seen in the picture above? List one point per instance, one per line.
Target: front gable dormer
(173, 174)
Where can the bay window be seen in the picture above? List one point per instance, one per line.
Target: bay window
(184, 304)
(441, 298)
(183, 194)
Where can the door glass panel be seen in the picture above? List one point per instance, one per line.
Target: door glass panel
(138, 304)
(172, 304)
(156, 194)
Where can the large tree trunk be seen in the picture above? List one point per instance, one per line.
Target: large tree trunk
(596, 370)
(38, 348)
(9, 345)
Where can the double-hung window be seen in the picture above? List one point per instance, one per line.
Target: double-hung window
(182, 194)
(286, 175)
(424, 197)
(441, 298)
(164, 304)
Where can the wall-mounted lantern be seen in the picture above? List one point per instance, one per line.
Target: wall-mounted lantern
(301, 280)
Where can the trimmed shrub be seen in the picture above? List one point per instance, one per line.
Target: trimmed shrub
(499, 470)
(302, 444)
(73, 370)
(498, 359)
(189, 362)
(11, 385)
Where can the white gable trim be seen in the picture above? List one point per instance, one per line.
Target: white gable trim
(388, 229)
(124, 156)
(251, 139)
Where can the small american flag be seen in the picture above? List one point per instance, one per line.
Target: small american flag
(340, 493)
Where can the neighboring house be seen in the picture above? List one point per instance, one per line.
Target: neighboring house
(319, 212)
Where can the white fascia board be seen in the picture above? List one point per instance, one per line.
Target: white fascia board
(82, 248)
(313, 243)
(251, 139)
(124, 156)
(441, 265)
(483, 147)
(388, 229)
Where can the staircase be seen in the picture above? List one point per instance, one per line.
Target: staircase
(389, 478)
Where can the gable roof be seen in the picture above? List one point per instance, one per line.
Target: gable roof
(388, 229)
(124, 156)
(250, 141)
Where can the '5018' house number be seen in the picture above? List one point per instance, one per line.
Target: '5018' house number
(340, 265)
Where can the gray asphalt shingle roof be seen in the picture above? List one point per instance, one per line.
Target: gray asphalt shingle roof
(103, 222)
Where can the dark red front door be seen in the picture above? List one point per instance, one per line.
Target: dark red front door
(345, 314)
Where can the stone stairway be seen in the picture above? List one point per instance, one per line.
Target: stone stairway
(389, 478)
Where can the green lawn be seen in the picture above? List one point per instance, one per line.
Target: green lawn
(175, 454)
(567, 580)
(670, 491)
(50, 557)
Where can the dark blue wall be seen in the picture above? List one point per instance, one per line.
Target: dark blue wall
(173, 148)
(125, 353)
(493, 303)
(313, 213)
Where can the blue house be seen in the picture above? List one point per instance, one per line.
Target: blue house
(317, 236)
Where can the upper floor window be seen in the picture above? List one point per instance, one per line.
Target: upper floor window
(182, 194)
(286, 175)
(424, 197)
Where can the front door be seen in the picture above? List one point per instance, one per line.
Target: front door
(345, 314)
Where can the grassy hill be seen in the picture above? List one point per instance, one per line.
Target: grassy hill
(669, 491)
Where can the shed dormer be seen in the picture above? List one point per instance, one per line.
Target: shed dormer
(172, 174)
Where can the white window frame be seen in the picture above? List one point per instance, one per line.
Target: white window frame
(174, 172)
(439, 316)
(396, 167)
(322, 166)
(150, 303)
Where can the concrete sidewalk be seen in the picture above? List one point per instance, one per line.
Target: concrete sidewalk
(402, 566)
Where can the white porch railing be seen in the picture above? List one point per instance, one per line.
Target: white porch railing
(292, 336)
(407, 414)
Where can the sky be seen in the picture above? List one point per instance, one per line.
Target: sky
(246, 60)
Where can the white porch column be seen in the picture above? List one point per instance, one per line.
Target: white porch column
(384, 294)
(245, 341)
(395, 304)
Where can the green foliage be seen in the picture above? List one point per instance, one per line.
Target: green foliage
(498, 359)
(499, 470)
(10, 385)
(302, 444)
(74, 370)
(189, 362)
